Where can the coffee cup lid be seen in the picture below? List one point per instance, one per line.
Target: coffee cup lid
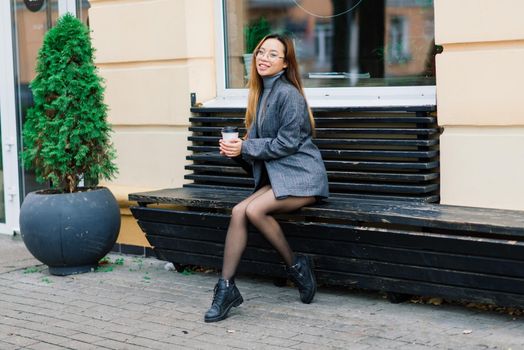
(229, 129)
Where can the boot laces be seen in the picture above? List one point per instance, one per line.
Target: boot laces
(297, 271)
(216, 297)
(219, 296)
(297, 276)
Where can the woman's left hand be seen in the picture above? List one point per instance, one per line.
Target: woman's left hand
(231, 148)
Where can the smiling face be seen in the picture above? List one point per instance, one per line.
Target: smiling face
(270, 58)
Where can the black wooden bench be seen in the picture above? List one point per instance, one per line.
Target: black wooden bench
(380, 229)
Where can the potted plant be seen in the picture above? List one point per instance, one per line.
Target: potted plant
(253, 33)
(66, 140)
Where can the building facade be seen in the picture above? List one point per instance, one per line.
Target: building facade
(462, 57)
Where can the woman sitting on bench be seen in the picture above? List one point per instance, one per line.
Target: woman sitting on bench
(287, 167)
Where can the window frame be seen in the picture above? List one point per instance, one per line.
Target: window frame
(392, 96)
(8, 124)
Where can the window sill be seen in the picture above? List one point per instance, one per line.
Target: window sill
(335, 98)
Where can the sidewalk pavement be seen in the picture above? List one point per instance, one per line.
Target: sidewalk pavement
(135, 303)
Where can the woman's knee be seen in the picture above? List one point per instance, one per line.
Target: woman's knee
(239, 211)
(254, 213)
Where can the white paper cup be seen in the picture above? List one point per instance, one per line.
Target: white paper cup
(229, 133)
(226, 136)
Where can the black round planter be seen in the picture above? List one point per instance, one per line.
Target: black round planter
(70, 232)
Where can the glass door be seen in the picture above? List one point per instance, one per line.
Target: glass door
(30, 23)
(23, 24)
(2, 191)
(9, 193)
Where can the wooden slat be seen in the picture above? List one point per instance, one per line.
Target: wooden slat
(383, 130)
(374, 141)
(383, 188)
(327, 153)
(332, 175)
(351, 109)
(322, 119)
(248, 189)
(330, 131)
(400, 177)
(221, 179)
(355, 165)
(387, 118)
(416, 198)
(421, 198)
(228, 170)
(420, 288)
(343, 142)
(212, 129)
(377, 153)
(203, 149)
(218, 119)
(330, 164)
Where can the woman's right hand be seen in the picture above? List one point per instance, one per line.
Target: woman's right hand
(230, 148)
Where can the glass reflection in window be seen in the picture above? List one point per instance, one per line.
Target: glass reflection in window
(340, 43)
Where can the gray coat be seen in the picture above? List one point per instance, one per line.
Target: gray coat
(293, 162)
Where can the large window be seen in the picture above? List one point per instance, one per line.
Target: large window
(340, 43)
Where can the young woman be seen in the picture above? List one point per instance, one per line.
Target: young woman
(287, 167)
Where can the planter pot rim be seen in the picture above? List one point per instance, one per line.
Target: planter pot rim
(80, 190)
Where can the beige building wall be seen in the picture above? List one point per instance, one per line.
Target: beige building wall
(479, 98)
(152, 54)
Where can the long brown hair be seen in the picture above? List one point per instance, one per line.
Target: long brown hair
(256, 85)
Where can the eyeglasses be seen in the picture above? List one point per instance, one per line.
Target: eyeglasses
(272, 56)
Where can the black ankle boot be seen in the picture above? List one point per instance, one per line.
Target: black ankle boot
(226, 296)
(301, 273)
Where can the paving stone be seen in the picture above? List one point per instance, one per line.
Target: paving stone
(85, 338)
(8, 346)
(17, 340)
(45, 346)
(78, 345)
(122, 310)
(116, 345)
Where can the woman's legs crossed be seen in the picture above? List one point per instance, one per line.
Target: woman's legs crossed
(258, 212)
(256, 208)
(236, 239)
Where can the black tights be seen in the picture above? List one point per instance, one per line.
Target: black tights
(257, 209)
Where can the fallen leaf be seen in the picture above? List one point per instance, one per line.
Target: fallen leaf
(435, 301)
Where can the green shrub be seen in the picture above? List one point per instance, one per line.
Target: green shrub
(66, 136)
